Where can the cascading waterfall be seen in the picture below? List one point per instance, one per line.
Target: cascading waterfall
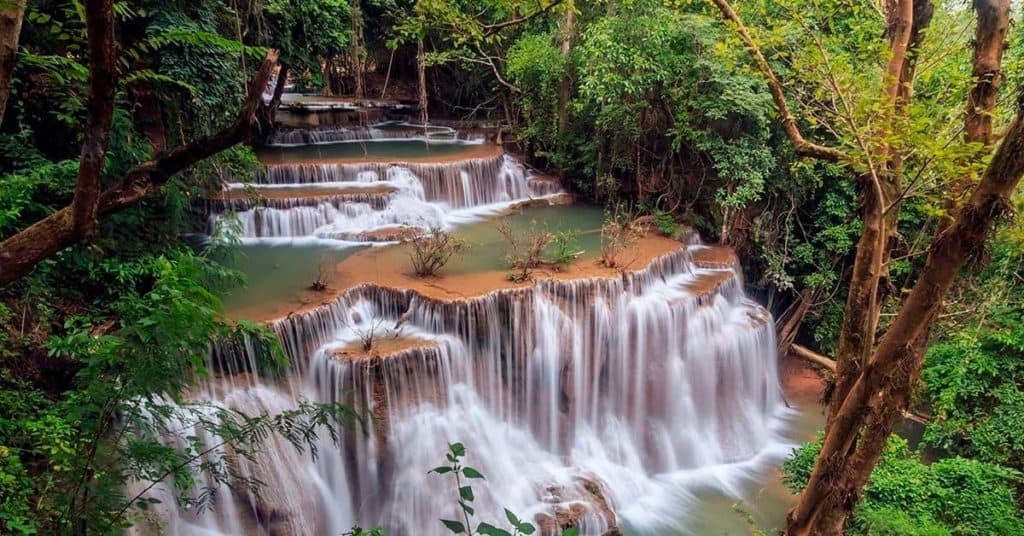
(420, 195)
(596, 403)
(380, 131)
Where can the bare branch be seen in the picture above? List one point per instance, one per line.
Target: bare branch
(491, 29)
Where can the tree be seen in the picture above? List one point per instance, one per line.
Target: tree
(880, 379)
(75, 222)
(12, 13)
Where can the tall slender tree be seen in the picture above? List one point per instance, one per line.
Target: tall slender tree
(873, 384)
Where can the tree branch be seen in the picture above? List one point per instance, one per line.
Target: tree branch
(800, 145)
(20, 253)
(491, 29)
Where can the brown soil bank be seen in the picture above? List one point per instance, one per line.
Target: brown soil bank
(389, 266)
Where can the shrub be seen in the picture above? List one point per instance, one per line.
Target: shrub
(617, 236)
(525, 252)
(432, 252)
(950, 496)
(535, 248)
(564, 249)
(665, 222)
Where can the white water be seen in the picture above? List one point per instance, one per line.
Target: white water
(389, 130)
(424, 196)
(608, 403)
(640, 387)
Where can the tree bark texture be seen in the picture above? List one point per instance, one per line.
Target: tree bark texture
(10, 29)
(987, 69)
(421, 77)
(879, 394)
(99, 20)
(356, 49)
(565, 91)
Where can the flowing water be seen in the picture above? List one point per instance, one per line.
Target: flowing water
(648, 403)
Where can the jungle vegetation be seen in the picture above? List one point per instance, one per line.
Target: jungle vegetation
(862, 157)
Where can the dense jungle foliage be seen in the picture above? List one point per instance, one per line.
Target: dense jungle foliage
(649, 102)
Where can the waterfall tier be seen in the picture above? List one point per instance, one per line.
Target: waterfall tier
(416, 195)
(380, 131)
(595, 402)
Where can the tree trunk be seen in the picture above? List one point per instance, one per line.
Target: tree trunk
(987, 71)
(880, 392)
(879, 190)
(987, 74)
(421, 77)
(99, 20)
(356, 49)
(20, 253)
(10, 30)
(565, 91)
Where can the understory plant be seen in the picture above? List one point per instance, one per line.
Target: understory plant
(905, 496)
(617, 237)
(537, 247)
(432, 252)
(461, 474)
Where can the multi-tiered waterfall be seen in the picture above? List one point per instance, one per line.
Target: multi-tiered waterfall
(601, 402)
(344, 200)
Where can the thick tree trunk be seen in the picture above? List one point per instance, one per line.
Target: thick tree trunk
(990, 40)
(11, 18)
(879, 394)
(99, 20)
(10, 29)
(421, 77)
(20, 253)
(356, 49)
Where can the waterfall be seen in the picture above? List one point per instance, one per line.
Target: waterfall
(420, 196)
(595, 402)
(381, 131)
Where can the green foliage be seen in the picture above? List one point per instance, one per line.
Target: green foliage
(538, 67)
(456, 467)
(99, 345)
(563, 249)
(973, 376)
(908, 497)
(309, 32)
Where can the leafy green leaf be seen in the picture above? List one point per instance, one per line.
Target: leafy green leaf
(454, 526)
(469, 472)
(486, 529)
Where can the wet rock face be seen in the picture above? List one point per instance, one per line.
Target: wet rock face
(582, 505)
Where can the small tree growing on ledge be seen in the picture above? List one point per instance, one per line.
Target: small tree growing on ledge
(368, 335)
(323, 269)
(525, 252)
(432, 252)
(617, 235)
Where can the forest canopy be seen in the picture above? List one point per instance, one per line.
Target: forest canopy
(861, 158)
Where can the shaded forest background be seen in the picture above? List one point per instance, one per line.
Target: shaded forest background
(661, 106)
